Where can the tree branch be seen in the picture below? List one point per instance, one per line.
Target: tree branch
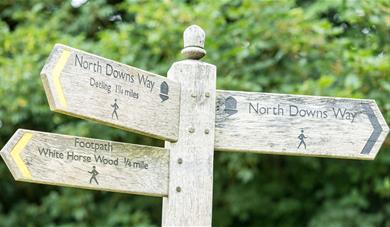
(386, 143)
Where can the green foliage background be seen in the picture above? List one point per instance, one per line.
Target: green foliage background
(331, 48)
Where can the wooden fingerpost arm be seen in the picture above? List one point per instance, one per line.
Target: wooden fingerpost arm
(189, 200)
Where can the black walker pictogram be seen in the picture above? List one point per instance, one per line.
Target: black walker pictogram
(302, 138)
(94, 173)
(116, 107)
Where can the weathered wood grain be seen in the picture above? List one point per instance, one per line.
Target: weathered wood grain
(189, 201)
(84, 85)
(55, 159)
(273, 123)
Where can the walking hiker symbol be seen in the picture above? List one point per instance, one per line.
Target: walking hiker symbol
(115, 106)
(302, 138)
(94, 173)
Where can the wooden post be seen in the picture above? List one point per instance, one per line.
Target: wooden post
(190, 187)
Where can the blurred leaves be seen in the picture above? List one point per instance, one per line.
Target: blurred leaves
(330, 48)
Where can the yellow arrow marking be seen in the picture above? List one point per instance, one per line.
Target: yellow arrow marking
(15, 153)
(57, 73)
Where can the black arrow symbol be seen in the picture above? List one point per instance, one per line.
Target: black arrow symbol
(377, 129)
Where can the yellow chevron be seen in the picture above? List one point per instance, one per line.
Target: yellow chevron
(15, 153)
(59, 66)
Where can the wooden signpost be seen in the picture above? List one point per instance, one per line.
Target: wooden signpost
(298, 125)
(194, 118)
(191, 161)
(81, 84)
(81, 162)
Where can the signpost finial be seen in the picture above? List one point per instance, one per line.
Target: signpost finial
(194, 38)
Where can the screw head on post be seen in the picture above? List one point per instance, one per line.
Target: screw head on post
(194, 38)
